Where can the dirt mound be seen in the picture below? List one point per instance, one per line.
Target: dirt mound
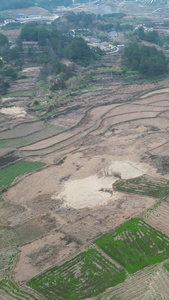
(14, 111)
(90, 191)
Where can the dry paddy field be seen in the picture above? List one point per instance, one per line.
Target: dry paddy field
(52, 215)
(158, 216)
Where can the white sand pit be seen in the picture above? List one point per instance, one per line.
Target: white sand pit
(87, 192)
(93, 190)
(124, 169)
(14, 111)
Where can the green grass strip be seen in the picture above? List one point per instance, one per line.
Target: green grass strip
(8, 174)
(135, 245)
(158, 188)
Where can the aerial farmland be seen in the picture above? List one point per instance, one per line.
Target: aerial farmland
(84, 173)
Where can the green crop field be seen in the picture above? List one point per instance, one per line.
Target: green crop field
(8, 174)
(86, 275)
(158, 188)
(9, 291)
(135, 245)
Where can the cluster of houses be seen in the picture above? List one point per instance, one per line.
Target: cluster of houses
(94, 43)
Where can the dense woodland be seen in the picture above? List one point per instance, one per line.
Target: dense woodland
(147, 60)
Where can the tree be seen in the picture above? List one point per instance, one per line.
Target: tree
(80, 52)
(141, 33)
(3, 40)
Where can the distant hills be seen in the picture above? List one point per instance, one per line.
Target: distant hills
(51, 4)
(47, 4)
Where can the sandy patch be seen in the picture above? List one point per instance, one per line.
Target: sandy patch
(125, 169)
(14, 111)
(87, 192)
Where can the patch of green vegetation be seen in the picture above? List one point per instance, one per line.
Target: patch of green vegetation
(10, 291)
(2, 143)
(166, 265)
(47, 115)
(131, 76)
(48, 125)
(24, 93)
(39, 106)
(146, 213)
(86, 275)
(8, 174)
(158, 188)
(135, 245)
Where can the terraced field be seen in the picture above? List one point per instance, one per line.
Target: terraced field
(135, 245)
(158, 188)
(150, 284)
(9, 291)
(158, 217)
(8, 174)
(86, 275)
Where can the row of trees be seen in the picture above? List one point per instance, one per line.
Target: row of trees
(147, 60)
(8, 71)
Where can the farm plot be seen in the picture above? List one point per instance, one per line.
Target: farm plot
(158, 217)
(135, 245)
(86, 275)
(9, 291)
(8, 174)
(149, 284)
(32, 137)
(158, 188)
(8, 250)
(21, 130)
